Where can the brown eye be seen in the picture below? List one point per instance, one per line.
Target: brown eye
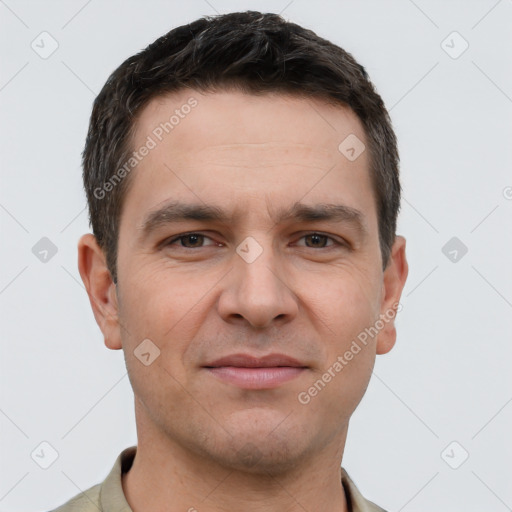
(190, 241)
(316, 240)
(321, 241)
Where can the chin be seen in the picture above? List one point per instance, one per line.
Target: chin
(262, 457)
(266, 445)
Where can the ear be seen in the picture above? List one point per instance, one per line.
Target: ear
(394, 279)
(100, 289)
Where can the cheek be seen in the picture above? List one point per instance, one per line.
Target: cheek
(168, 315)
(336, 388)
(159, 310)
(162, 299)
(346, 308)
(346, 300)
(169, 306)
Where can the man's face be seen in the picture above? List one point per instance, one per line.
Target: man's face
(257, 282)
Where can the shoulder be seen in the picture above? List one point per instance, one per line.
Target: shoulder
(107, 495)
(87, 501)
(356, 501)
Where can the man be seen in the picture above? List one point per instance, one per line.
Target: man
(242, 182)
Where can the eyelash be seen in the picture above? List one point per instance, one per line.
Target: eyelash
(184, 235)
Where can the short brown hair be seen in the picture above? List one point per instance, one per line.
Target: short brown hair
(253, 52)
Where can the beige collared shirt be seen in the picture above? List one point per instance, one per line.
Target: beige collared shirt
(108, 496)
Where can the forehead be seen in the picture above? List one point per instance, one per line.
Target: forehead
(218, 147)
(230, 118)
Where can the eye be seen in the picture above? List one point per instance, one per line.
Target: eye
(318, 240)
(199, 240)
(191, 240)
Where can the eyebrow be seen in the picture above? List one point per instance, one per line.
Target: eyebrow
(176, 211)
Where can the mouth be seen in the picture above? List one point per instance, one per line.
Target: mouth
(249, 372)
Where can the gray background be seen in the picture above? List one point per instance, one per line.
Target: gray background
(447, 379)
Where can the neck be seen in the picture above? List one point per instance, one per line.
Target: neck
(168, 477)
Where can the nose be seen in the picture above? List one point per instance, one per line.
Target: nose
(258, 292)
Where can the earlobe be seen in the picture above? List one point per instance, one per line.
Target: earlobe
(395, 276)
(100, 289)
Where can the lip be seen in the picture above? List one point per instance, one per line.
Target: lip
(250, 372)
(249, 361)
